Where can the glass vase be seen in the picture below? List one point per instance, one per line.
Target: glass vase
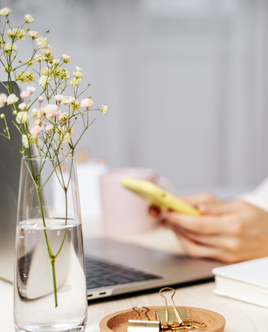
(50, 283)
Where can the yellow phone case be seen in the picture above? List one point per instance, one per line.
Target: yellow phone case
(158, 197)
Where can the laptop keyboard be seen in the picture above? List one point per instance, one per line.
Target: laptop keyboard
(100, 274)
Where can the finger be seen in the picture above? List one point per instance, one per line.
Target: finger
(208, 224)
(154, 211)
(200, 250)
(213, 208)
(227, 243)
(199, 198)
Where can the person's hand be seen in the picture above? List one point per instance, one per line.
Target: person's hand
(226, 231)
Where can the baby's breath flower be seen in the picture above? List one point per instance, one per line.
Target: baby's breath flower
(16, 34)
(28, 19)
(36, 113)
(3, 99)
(25, 141)
(2, 116)
(5, 12)
(42, 42)
(65, 58)
(20, 77)
(22, 117)
(49, 129)
(66, 139)
(29, 62)
(87, 102)
(64, 73)
(63, 117)
(22, 106)
(12, 99)
(56, 62)
(44, 80)
(9, 48)
(104, 109)
(57, 72)
(68, 100)
(59, 98)
(28, 76)
(31, 89)
(38, 58)
(78, 74)
(75, 106)
(75, 81)
(33, 34)
(47, 50)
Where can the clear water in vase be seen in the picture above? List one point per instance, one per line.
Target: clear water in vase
(34, 295)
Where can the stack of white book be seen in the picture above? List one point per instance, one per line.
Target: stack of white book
(246, 281)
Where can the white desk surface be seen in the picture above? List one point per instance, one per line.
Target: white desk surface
(240, 316)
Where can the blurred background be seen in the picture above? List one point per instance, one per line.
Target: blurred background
(185, 81)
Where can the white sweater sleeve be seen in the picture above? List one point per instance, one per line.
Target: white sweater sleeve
(258, 197)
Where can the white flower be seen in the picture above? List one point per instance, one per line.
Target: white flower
(42, 42)
(25, 141)
(75, 81)
(22, 117)
(66, 139)
(5, 12)
(3, 99)
(59, 98)
(12, 99)
(36, 113)
(49, 129)
(52, 111)
(86, 103)
(44, 80)
(33, 34)
(8, 48)
(68, 100)
(56, 62)
(63, 117)
(22, 106)
(66, 58)
(31, 89)
(28, 19)
(38, 58)
(104, 109)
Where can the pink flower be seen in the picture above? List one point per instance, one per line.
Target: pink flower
(35, 130)
(86, 102)
(51, 111)
(68, 100)
(41, 99)
(59, 98)
(24, 94)
(3, 99)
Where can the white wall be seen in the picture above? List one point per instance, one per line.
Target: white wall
(185, 82)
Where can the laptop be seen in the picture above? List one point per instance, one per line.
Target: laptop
(113, 268)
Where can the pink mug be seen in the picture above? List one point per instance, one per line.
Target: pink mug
(122, 210)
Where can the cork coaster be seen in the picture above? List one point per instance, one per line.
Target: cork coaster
(118, 321)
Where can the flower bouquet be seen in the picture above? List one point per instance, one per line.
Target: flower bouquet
(45, 116)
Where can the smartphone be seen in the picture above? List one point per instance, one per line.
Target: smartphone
(158, 197)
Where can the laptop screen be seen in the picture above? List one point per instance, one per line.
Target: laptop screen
(10, 160)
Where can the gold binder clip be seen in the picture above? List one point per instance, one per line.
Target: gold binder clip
(171, 318)
(139, 325)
